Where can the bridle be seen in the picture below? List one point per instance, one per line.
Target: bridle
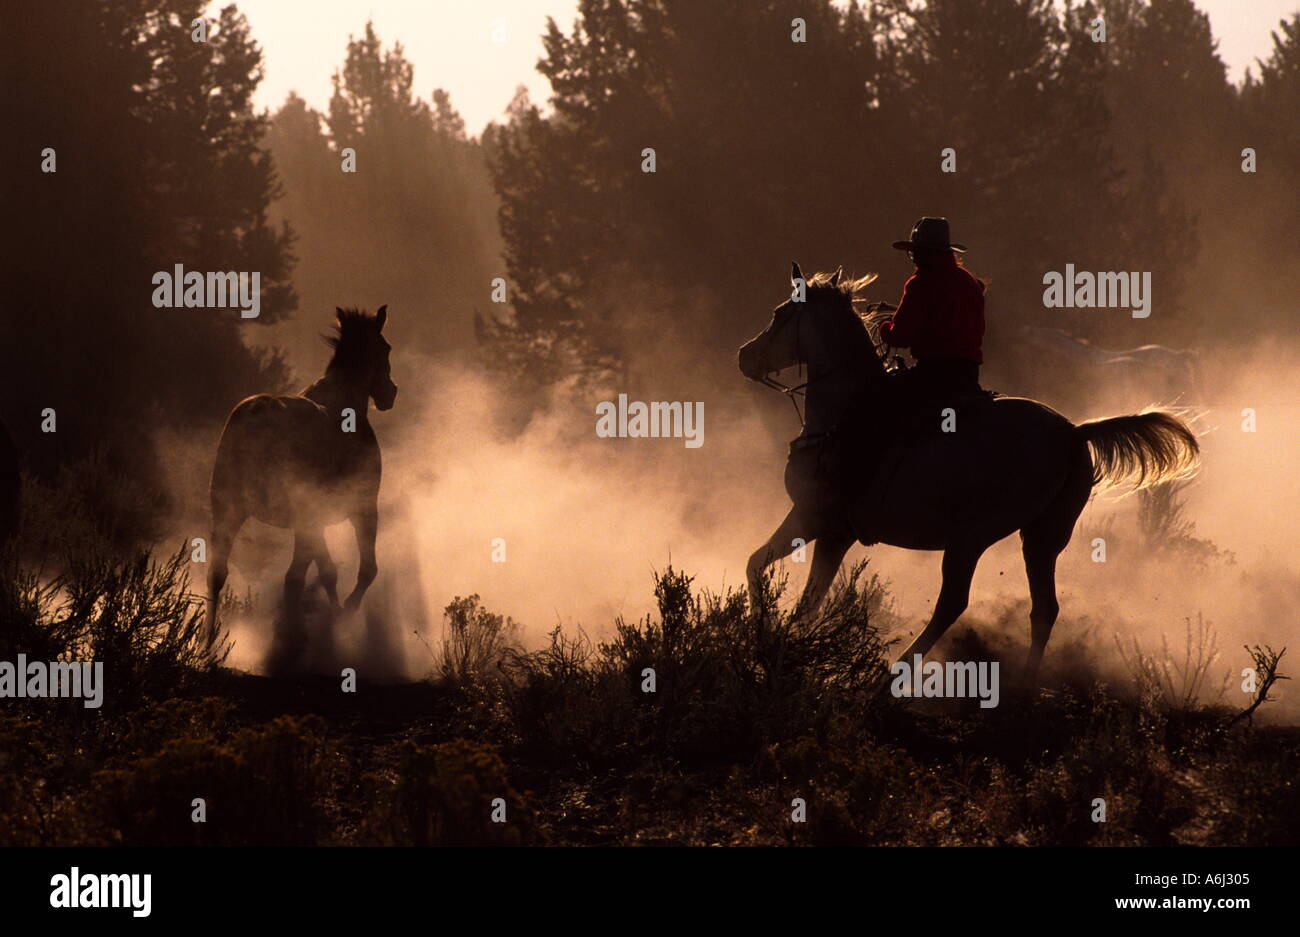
(801, 390)
(798, 390)
(804, 443)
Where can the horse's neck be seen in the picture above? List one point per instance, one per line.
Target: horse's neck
(841, 366)
(335, 394)
(830, 398)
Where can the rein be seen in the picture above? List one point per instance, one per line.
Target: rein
(801, 390)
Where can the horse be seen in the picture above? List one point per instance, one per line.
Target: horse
(1012, 464)
(1147, 370)
(306, 461)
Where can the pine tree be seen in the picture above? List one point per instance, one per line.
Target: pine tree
(158, 163)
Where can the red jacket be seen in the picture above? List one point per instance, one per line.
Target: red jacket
(941, 314)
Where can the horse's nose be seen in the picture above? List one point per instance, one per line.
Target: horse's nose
(748, 366)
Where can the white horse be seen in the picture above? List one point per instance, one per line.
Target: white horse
(1148, 372)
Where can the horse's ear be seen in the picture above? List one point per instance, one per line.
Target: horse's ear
(795, 273)
(382, 316)
(839, 271)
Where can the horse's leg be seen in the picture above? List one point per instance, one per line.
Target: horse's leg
(226, 522)
(1040, 568)
(318, 552)
(304, 553)
(959, 562)
(328, 570)
(366, 524)
(777, 546)
(291, 628)
(827, 556)
(1042, 543)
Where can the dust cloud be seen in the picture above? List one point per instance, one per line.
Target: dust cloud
(556, 526)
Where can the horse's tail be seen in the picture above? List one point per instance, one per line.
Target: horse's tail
(1154, 447)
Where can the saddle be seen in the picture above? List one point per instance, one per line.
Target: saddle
(921, 416)
(905, 417)
(823, 468)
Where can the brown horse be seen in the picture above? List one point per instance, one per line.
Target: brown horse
(307, 461)
(1003, 465)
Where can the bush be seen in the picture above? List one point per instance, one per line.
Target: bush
(262, 787)
(729, 676)
(93, 505)
(23, 805)
(869, 794)
(138, 618)
(477, 642)
(447, 795)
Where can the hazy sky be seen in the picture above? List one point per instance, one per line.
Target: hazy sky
(451, 43)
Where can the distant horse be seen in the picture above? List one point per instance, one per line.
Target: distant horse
(305, 462)
(1149, 370)
(1012, 464)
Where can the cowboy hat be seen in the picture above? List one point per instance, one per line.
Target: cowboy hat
(929, 233)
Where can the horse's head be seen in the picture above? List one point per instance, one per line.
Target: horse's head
(815, 326)
(361, 351)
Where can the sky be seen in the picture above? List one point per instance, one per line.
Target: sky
(452, 44)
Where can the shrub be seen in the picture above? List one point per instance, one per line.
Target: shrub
(1181, 682)
(138, 618)
(447, 794)
(476, 644)
(23, 809)
(731, 674)
(92, 505)
(262, 787)
(867, 794)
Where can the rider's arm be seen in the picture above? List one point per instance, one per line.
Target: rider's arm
(902, 329)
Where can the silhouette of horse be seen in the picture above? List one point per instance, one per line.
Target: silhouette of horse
(307, 461)
(1012, 464)
(1148, 370)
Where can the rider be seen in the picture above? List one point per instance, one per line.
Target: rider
(940, 317)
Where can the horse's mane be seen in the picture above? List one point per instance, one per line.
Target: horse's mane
(826, 282)
(350, 325)
(842, 293)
